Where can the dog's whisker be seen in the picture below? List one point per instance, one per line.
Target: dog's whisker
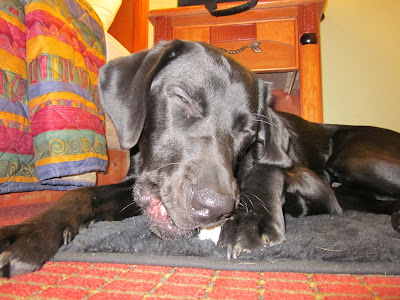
(244, 205)
(258, 200)
(266, 121)
(248, 198)
(261, 202)
(263, 121)
(260, 115)
(130, 204)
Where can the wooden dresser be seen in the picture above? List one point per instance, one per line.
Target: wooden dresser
(279, 39)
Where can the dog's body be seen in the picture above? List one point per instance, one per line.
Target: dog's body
(206, 149)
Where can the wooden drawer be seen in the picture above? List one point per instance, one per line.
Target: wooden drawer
(277, 37)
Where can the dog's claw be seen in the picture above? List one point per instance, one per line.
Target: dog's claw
(233, 251)
(248, 234)
(237, 251)
(229, 252)
(67, 236)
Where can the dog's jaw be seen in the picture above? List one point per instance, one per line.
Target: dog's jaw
(161, 224)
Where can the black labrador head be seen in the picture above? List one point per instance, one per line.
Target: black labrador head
(193, 111)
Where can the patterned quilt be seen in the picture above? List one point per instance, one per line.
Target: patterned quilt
(51, 127)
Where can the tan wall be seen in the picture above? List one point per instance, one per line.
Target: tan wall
(360, 44)
(361, 62)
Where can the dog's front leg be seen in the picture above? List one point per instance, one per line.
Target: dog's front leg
(25, 247)
(259, 220)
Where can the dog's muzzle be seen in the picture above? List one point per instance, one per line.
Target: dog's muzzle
(205, 208)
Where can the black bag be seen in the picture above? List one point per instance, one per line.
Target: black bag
(211, 5)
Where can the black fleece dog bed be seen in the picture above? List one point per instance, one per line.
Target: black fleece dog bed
(354, 242)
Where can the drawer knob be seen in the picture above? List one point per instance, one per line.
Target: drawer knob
(253, 46)
(309, 38)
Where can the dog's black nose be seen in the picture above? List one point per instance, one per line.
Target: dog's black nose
(209, 206)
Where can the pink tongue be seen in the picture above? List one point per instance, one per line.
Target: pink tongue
(157, 211)
(157, 215)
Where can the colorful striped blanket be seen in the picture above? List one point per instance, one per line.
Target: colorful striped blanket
(51, 127)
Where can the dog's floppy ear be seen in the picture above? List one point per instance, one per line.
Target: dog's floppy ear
(124, 84)
(272, 133)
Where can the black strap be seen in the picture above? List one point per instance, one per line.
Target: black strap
(211, 5)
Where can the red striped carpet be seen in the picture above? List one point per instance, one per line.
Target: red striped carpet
(70, 280)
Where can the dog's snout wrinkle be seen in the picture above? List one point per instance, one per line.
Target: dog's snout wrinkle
(209, 206)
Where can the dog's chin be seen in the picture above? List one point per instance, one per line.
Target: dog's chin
(161, 224)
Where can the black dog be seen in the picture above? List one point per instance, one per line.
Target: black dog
(206, 149)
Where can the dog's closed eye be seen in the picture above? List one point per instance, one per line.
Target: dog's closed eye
(183, 98)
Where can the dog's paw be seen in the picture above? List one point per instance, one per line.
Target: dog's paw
(25, 247)
(249, 233)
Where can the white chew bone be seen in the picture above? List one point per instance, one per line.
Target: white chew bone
(210, 234)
